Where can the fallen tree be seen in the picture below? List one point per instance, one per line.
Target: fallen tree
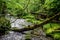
(36, 25)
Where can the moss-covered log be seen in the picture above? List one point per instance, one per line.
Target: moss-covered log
(36, 26)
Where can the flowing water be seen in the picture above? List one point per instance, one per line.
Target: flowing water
(20, 23)
(13, 36)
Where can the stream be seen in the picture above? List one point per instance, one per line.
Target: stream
(13, 36)
(21, 23)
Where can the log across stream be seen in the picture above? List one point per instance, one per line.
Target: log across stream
(19, 36)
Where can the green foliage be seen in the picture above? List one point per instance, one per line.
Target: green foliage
(49, 4)
(56, 36)
(4, 25)
(0, 6)
(51, 28)
(52, 6)
(22, 8)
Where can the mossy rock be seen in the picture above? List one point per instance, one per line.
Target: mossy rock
(4, 25)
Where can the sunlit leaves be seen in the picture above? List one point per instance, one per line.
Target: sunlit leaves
(56, 35)
(51, 28)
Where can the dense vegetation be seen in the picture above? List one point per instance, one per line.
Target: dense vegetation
(4, 25)
(35, 11)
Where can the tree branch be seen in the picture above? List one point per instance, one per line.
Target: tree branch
(36, 26)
